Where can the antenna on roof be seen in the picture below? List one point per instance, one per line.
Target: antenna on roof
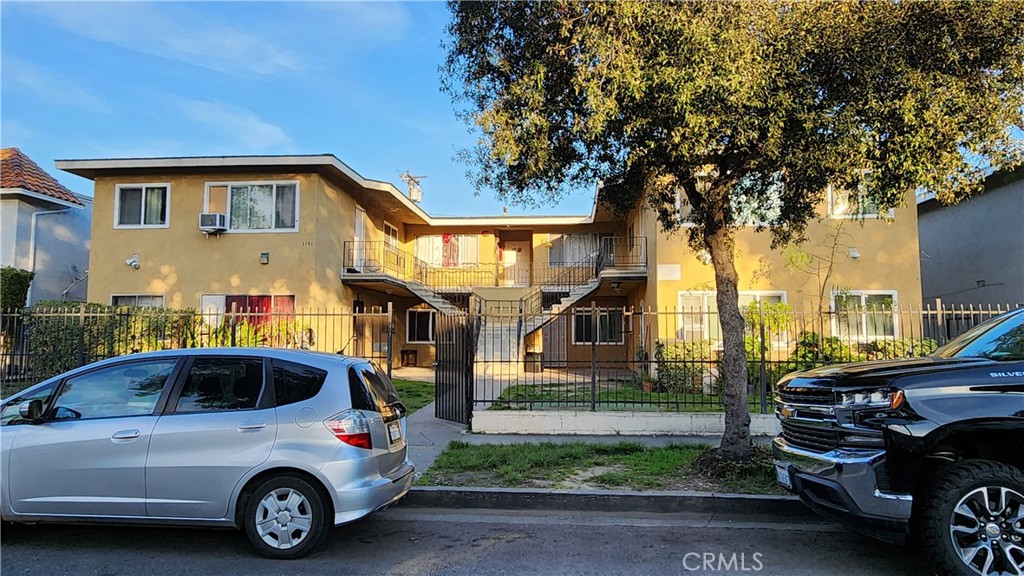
(413, 181)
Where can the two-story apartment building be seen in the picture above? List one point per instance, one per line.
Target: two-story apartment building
(307, 232)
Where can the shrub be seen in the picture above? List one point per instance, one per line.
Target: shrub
(900, 348)
(685, 367)
(774, 370)
(14, 284)
(813, 350)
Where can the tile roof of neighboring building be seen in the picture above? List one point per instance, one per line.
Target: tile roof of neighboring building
(18, 171)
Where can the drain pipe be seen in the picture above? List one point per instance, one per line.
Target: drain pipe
(32, 245)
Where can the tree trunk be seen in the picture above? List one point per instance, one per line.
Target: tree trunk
(736, 443)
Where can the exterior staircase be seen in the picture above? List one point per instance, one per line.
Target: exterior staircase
(433, 298)
(577, 293)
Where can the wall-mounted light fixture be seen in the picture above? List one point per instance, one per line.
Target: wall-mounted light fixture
(854, 253)
(133, 262)
(264, 257)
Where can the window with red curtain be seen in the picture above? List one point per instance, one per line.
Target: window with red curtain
(262, 308)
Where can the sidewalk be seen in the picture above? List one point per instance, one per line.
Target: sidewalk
(429, 436)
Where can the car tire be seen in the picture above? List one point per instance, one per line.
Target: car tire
(970, 522)
(285, 518)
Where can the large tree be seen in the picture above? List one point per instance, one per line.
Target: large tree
(744, 108)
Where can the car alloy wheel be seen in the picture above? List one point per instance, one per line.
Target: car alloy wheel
(987, 529)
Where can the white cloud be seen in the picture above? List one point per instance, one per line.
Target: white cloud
(170, 31)
(50, 87)
(246, 130)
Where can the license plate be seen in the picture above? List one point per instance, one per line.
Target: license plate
(782, 475)
(394, 431)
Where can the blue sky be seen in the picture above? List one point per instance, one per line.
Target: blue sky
(126, 79)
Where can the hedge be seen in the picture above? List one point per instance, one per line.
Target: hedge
(14, 284)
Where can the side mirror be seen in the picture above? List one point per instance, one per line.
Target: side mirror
(32, 410)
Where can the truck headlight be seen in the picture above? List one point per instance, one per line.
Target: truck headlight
(875, 399)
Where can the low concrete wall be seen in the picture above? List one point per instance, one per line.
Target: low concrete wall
(626, 423)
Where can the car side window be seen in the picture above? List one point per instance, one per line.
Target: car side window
(116, 391)
(295, 382)
(218, 384)
(11, 411)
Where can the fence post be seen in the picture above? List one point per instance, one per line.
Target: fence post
(81, 334)
(764, 370)
(234, 321)
(940, 322)
(593, 356)
(391, 335)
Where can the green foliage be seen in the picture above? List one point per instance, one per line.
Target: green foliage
(14, 284)
(62, 336)
(744, 108)
(774, 369)
(685, 366)
(900, 348)
(812, 350)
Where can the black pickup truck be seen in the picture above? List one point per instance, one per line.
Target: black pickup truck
(930, 448)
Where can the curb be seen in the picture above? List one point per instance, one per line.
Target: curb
(788, 507)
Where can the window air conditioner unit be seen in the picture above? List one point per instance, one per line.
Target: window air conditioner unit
(213, 222)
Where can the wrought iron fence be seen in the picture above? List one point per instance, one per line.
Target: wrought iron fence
(38, 343)
(614, 358)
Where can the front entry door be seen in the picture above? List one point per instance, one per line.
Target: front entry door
(516, 259)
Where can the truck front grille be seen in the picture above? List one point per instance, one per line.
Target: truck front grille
(813, 396)
(809, 437)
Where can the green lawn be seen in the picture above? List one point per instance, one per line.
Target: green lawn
(610, 396)
(577, 465)
(414, 394)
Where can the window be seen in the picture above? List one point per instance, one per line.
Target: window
(257, 309)
(864, 314)
(750, 206)
(271, 206)
(140, 300)
(610, 328)
(141, 206)
(568, 249)
(112, 392)
(698, 312)
(11, 413)
(295, 382)
(372, 390)
(448, 250)
(419, 326)
(853, 204)
(217, 384)
(390, 235)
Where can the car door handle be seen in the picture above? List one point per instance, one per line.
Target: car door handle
(251, 425)
(125, 435)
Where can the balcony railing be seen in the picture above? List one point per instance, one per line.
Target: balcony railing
(376, 257)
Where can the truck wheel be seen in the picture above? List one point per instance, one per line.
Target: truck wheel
(285, 518)
(971, 519)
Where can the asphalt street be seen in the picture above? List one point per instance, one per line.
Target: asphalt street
(416, 541)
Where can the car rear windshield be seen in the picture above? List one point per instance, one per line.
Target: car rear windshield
(372, 390)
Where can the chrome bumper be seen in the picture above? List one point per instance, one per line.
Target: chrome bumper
(844, 482)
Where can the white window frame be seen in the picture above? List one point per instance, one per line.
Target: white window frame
(227, 208)
(889, 215)
(388, 237)
(432, 325)
(682, 313)
(585, 312)
(142, 225)
(163, 300)
(862, 293)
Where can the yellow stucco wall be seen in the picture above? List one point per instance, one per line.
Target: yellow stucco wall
(888, 260)
(181, 264)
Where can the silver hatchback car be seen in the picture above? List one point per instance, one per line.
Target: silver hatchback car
(283, 444)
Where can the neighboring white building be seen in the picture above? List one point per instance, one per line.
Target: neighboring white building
(44, 228)
(973, 252)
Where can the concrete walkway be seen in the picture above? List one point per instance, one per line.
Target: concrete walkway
(429, 436)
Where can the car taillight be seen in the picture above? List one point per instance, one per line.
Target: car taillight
(351, 427)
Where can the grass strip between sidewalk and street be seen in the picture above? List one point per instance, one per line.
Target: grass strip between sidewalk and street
(595, 466)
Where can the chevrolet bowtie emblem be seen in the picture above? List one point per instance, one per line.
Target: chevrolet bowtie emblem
(787, 411)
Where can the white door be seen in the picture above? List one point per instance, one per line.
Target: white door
(516, 260)
(360, 239)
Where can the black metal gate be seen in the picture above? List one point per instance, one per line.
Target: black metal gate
(455, 339)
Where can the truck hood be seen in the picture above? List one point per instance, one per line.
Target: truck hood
(875, 373)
